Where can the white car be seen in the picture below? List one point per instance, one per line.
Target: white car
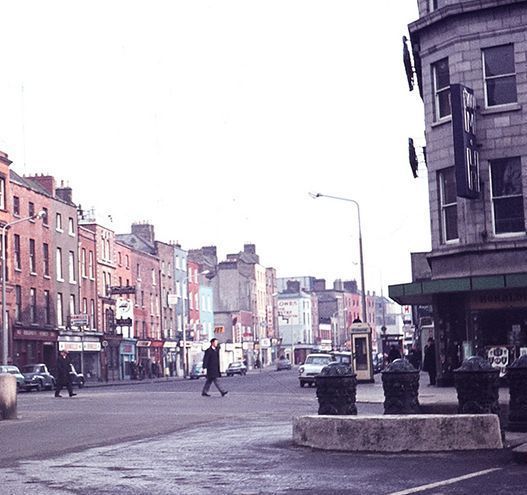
(312, 367)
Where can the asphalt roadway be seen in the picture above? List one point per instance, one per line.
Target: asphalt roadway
(164, 438)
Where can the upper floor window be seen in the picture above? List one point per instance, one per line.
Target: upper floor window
(45, 258)
(507, 195)
(33, 305)
(71, 267)
(58, 222)
(500, 75)
(16, 205)
(60, 313)
(59, 265)
(16, 242)
(441, 89)
(31, 209)
(448, 204)
(45, 217)
(71, 226)
(18, 302)
(32, 256)
(83, 263)
(432, 5)
(90, 265)
(2, 193)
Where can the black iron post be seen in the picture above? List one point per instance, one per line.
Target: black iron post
(477, 385)
(336, 390)
(400, 381)
(517, 375)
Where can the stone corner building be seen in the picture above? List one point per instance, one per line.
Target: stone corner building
(470, 63)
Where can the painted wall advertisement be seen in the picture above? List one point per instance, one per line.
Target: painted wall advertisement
(288, 312)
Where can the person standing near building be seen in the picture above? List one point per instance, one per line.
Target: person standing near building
(63, 374)
(211, 362)
(429, 361)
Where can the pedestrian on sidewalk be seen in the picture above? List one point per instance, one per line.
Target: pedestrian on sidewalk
(211, 363)
(63, 374)
(429, 361)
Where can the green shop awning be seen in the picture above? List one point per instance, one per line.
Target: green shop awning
(422, 292)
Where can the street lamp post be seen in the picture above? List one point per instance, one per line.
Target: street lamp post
(5, 337)
(361, 257)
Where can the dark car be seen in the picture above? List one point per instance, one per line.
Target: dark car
(283, 364)
(236, 369)
(76, 378)
(13, 370)
(38, 377)
(197, 371)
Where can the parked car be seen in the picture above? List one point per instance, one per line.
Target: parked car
(312, 367)
(76, 378)
(197, 371)
(38, 377)
(236, 369)
(283, 364)
(13, 370)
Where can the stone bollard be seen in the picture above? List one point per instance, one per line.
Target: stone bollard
(517, 376)
(477, 386)
(336, 390)
(400, 381)
(7, 396)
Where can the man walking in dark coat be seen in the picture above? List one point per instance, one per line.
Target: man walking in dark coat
(429, 361)
(211, 362)
(63, 374)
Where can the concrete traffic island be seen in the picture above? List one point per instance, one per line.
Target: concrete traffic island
(7, 396)
(399, 433)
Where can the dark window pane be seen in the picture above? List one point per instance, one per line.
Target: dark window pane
(499, 60)
(501, 91)
(451, 223)
(444, 103)
(449, 194)
(508, 215)
(442, 74)
(506, 177)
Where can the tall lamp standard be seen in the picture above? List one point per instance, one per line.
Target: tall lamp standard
(361, 260)
(5, 338)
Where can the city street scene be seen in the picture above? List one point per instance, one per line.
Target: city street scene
(263, 247)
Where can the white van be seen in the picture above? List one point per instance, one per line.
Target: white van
(312, 367)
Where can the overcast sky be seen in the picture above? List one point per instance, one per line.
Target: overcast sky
(214, 119)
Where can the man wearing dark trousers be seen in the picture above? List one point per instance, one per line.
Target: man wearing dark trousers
(211, 362)
(63, 374)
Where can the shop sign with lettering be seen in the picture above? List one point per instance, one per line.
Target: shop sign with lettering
(466, 156)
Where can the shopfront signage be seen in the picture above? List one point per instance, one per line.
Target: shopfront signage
(70, 346)
(121, 290)
(143, 343)
(79, 320)
(466, 156)
(499, 300)
(265, 343)
(92, 346)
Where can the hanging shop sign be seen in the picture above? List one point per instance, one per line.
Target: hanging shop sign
(466, 156)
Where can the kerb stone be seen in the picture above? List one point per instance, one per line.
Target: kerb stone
(399, 433)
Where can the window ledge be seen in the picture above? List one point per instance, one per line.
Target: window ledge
(438, 123)
(510, 107)
(47, 277)
(33, 274)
